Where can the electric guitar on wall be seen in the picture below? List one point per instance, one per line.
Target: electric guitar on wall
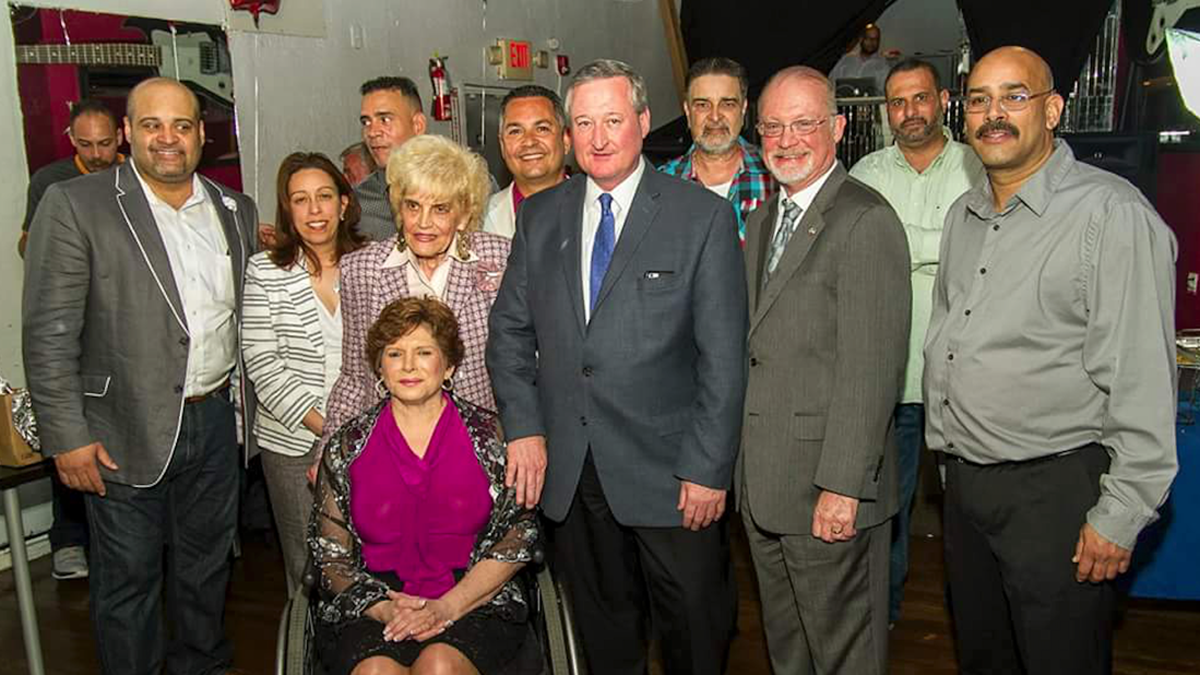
(195, 58)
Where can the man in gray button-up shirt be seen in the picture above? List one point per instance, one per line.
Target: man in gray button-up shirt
(1049, 381)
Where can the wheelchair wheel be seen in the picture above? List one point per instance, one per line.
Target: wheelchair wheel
(562, 652)
(294, 651)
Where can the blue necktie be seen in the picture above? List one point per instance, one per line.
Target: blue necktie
(602, 248)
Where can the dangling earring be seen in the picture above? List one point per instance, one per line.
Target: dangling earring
(400, 243)
(463, 245)
(448, 384)
(381, 389)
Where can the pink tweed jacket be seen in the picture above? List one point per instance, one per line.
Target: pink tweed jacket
(367, 287)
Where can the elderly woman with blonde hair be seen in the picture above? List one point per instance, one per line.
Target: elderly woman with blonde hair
(438, 190)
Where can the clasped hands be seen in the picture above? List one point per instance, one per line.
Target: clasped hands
(406, 616)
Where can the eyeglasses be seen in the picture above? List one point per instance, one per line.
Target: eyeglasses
(1012, 102)
(799, 127)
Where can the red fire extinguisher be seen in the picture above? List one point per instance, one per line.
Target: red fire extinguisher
(439, 77)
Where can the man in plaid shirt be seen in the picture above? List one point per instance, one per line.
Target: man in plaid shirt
(719, 158)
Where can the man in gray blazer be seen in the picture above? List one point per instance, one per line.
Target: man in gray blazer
(827, 267)
(133, 284)
(617, 350)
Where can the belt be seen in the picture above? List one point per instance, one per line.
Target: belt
(1025, 462)
(204, 397)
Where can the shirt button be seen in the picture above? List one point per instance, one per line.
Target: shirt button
(950, 357)
(753, 361)
(583, 421)
(967, 313)
(949, 446)
(995, 228)
(983, 270)
(587, 371)
(945, 401)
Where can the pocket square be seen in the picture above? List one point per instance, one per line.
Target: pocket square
(650, 275)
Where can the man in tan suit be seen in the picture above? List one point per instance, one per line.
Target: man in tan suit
(828, 274)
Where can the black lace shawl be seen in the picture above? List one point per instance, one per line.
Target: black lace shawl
(347, 587)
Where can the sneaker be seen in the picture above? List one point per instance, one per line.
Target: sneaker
(70, 562)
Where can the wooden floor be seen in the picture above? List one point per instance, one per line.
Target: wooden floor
(1152, 638)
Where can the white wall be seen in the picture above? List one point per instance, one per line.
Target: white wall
(301, 92)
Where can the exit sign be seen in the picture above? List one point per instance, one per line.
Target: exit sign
(517, 60)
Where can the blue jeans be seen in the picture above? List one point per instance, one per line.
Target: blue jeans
(70, 526)
(192, 514)
(910, 436)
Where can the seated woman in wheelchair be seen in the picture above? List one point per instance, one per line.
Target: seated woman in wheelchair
(415, 535)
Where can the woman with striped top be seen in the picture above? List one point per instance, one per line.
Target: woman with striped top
(292, 333)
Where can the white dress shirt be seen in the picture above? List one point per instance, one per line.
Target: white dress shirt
(622, 199)
(203, 271)
(804, 198)
(331, 333)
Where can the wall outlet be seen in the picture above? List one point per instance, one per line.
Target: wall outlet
(1193, 280)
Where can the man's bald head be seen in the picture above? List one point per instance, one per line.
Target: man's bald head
(1039, 77)
(801, 73)
(152, 83)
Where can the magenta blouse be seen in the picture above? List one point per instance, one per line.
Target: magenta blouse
(419, 517)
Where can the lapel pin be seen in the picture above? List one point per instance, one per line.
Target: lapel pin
(229, 203)
(812, 230)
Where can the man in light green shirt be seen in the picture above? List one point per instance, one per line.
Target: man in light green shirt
(920, 176)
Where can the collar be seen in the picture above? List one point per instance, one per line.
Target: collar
(899, 159)
(199, 194)
(398, 258)
(1037, 190)
(804, 198)
(623, 193)
(752, 163)
(517, 196)
(83, 170)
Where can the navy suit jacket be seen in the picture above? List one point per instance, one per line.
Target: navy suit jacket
(654, 383)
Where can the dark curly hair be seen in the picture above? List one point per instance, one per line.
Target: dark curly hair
(405, 315)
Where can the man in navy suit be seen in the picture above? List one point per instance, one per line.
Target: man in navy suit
(617, 351)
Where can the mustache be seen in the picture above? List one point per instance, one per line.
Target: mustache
(997, 125)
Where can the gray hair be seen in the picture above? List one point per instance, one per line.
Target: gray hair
(803, 73)
(603, 69)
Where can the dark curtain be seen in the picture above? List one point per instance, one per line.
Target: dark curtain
(767, 35)
(1061, 31)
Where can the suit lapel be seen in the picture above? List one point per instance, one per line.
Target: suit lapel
(809, 229)
(641, 215)
(571, 248)
(131, 201)
(301, 292)
(758, 234)
(226, 209)
(458, 285)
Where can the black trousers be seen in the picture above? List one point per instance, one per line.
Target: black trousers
(1010, 533)
(626, 581)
